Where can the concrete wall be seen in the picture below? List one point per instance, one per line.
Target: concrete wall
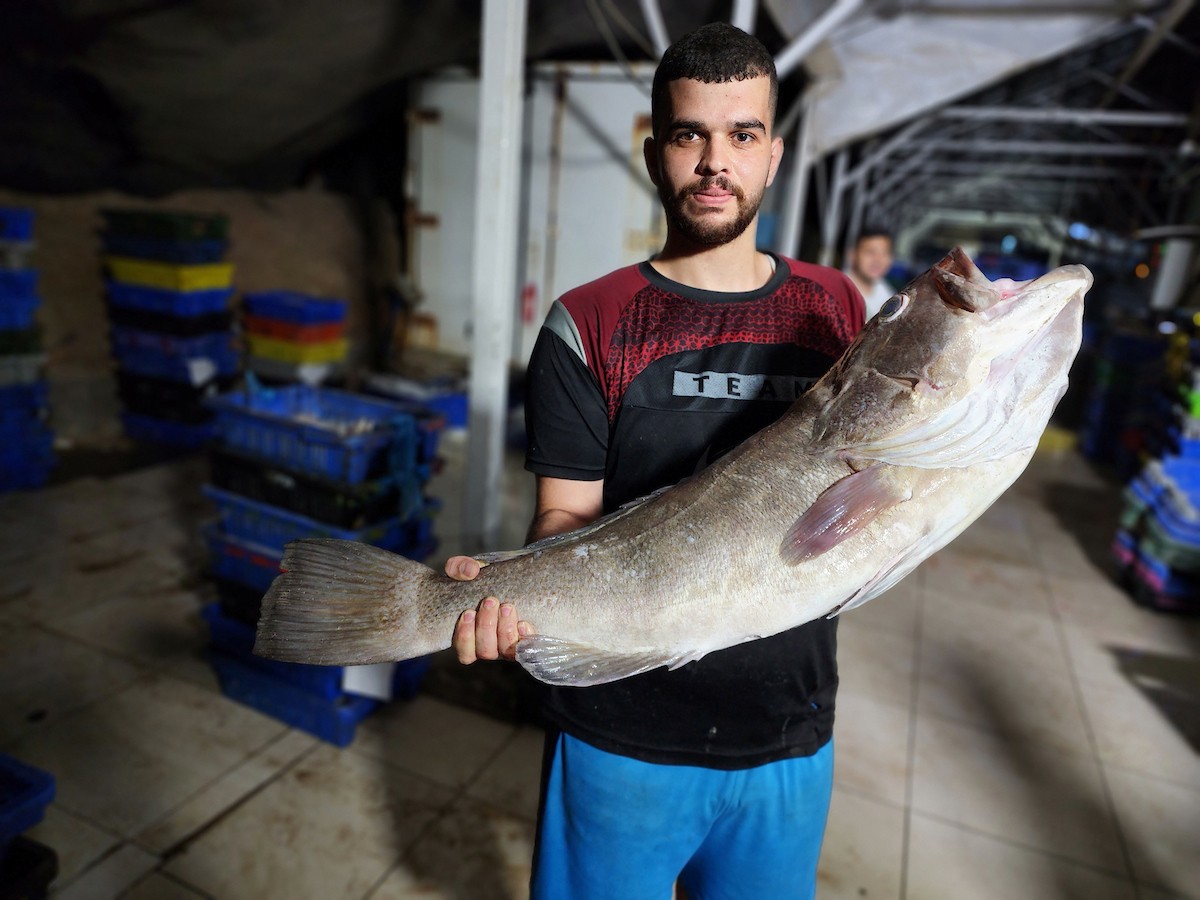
(305, 240)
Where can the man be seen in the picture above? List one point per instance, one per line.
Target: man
(718, 774)
(869, 261)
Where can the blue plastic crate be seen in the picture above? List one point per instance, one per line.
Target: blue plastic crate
(18, 313)
(242, 562)
(163, 249)
(25, 792)
(161, 300)
(131, 341)
(27, 399)
(193, 370)
(334, 720)
(170, 432)
(273, 526)
(17, 283)
(236, 639)
(339, 435)
(16, 223)
(295, 307)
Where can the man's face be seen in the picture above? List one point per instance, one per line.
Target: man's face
(872, 258)
(714, 158)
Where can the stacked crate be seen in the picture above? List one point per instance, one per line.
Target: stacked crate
(26, 866)
(299, 461)
(294, 337)
(26, 441)
(1122, 413)
(169, 308)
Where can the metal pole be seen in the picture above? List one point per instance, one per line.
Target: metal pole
(744, 14)
(793, 54)
(788, 242)
(1034, 114)
(833, 216)
(497, 189)
(658, 28)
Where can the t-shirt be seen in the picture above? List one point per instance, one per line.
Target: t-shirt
(642, 381)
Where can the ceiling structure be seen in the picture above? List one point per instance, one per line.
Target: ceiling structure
(1072, 110)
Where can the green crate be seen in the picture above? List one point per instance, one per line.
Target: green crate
(173, 225)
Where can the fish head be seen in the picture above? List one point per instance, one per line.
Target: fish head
(955, 368)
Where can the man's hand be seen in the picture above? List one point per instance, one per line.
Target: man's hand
(492, 630)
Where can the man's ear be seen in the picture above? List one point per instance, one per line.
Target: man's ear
(776, 156)
(650, 157)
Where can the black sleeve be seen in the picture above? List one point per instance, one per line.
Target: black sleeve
(566, 422)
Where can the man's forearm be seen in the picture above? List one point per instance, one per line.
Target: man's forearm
(552, 522)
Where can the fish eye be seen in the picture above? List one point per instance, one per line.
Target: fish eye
(892, 307)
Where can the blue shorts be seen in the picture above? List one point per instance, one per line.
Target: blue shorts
(612, 826)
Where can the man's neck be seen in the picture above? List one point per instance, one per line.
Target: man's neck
(864, 285)
(736, 267)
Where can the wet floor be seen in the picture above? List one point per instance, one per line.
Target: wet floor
(1010, 724)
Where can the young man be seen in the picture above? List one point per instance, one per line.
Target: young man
(869, 261)
(719, 774)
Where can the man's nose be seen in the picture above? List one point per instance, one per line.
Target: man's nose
(713, 160)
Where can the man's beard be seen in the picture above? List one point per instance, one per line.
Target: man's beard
(699, 229)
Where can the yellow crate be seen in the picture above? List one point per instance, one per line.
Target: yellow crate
(296, 352)
(170, 276)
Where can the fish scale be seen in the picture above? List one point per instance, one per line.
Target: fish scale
(925, 420)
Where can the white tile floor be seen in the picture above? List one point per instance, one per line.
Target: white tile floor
(1010, 724)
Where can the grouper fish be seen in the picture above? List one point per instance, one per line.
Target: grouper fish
(930, 414)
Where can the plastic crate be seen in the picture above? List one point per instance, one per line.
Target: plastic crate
(170, 224)
(18, 283)
(281, 329)
(18, 313)
(170, 276)
(26, 870)
(169, 399)
(273, 527)
(295, 352)
(172, 433)
(334, 721)
(16, 223)
(244, 563)
(290, 306)
(334, 434)
(236, 639)
(273, 372)
(171, 323)
(129, 341)
(160, 249)
(194, 370)
(25, 792)
(15, 254)
(174, 303)
(24, 399)
(442, 396)
(338, 503)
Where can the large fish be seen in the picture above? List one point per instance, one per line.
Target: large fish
(930, 414)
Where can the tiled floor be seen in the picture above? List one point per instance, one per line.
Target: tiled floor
(1010, 725)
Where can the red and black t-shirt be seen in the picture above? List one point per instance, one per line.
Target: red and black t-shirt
(641, 381)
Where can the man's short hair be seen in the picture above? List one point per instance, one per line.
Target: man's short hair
(872, 231)
(714, 53)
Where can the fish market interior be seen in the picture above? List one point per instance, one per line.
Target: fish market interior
(276, 271)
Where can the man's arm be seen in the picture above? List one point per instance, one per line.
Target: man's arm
(492, 630)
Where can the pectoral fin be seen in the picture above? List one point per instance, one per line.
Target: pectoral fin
(572, 664)
(843, 510)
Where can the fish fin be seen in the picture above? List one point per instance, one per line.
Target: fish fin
(843, 510)
(572, 664)
(555, 539)
(343, 603)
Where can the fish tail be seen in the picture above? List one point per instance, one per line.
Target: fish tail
(346, 603)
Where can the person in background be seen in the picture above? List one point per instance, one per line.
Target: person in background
(867, 264)
(716, 775)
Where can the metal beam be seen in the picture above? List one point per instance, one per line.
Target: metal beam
(744, 14)
(1095, 116)
(967, 167)
(1048, 148)
(656, 26)
(792, 218)
(795, 52)
(497, 213)
(833, 215)
(1166, 24)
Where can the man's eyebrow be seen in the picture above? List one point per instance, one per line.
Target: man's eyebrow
(685, 125)
(750, 125)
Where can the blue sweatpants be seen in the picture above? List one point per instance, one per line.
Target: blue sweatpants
(615, 827)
